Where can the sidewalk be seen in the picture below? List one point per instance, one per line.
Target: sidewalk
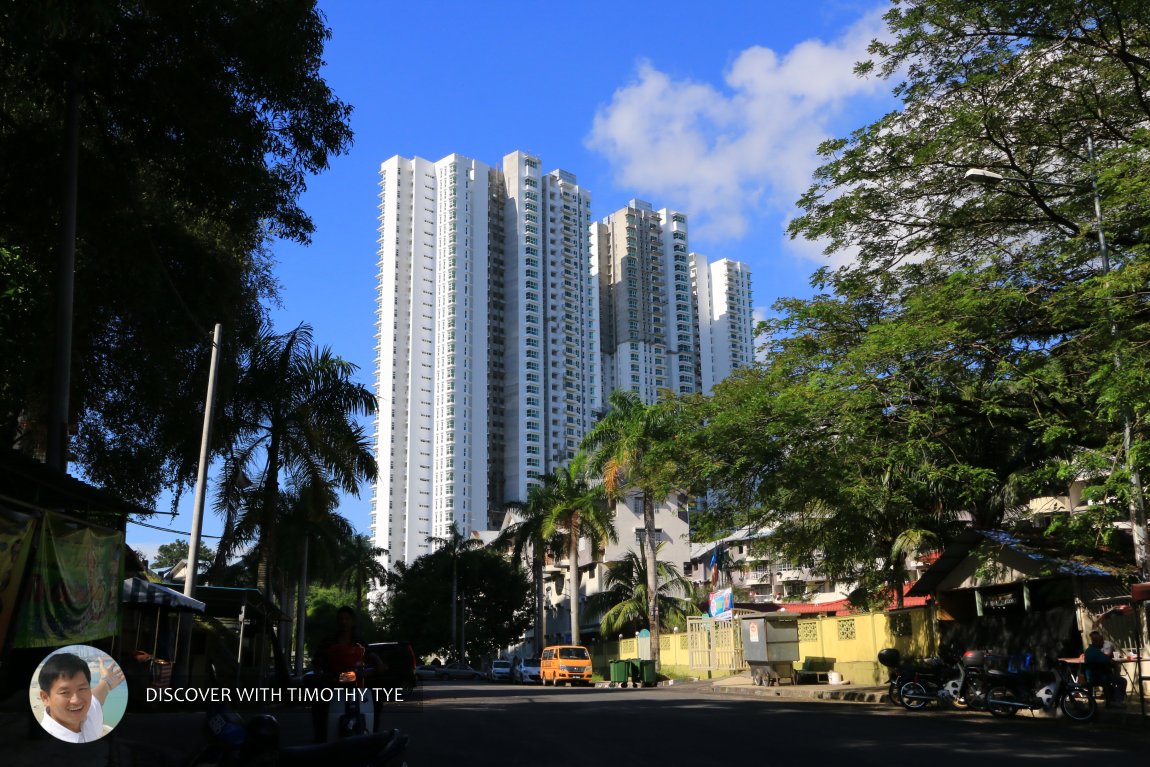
(1130, 716)
(741, 684)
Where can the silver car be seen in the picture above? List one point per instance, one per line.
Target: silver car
(499, 671)
(525, 671)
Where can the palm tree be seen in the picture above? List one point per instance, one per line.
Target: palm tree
(360, 566)
(632, 449)
(527, 534)
(576, 511)
(311, 534)
(295, 410)
(623, 602)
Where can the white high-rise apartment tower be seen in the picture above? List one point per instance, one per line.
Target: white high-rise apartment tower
(647, 324)
(725, 318)
(487, 372)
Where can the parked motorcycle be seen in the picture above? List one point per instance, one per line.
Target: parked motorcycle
(902, 677)
(959, 683)
(1011, 691)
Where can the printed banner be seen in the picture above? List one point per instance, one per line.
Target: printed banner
(15, 543)
(722, 604)
(73, 593)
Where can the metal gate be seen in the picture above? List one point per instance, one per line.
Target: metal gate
(714, 645)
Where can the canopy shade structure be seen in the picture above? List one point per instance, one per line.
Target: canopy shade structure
(138, 591)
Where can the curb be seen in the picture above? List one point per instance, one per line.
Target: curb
(847, 695)
(627, 685)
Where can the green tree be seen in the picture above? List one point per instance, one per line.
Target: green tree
(634, 449)
(199, 124)
(322, 604)
(577, 510)
(495, 593)
(171, 554)
(970, 342)
(294, 411)
(622, 604)
(1004, 294)
(360, 565)
(455, 545)
(526, 534)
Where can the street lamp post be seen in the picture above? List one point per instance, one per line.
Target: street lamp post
(989, 178)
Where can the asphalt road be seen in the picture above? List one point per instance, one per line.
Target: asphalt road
(480, 724)
(460, 723)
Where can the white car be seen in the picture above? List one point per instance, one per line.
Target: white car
(499, 671)
(526, 671)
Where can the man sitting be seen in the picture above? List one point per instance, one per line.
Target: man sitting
(1098, 662)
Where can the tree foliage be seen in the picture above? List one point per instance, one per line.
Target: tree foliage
(525, 536)
(622, 604)
(171, 554)
(199, 124)
(577, 510)
(496, 593)
(294, 414)
(634, 448)
(972, 339)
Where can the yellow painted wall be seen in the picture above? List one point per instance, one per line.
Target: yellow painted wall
(853, 641)
(672, 656)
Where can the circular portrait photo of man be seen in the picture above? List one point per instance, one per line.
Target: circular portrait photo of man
(78, 694)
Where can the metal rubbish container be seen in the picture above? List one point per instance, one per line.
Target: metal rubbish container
(647, 668)
(770, 646)
(619, 669)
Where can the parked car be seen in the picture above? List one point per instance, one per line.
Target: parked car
(399, 658)
(426, 672)
(459, 670)
(499, 671)
(525, 671)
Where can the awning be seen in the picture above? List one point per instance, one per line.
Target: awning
(138, 591)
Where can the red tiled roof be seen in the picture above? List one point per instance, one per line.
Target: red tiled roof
(829, 608)
(844, 607)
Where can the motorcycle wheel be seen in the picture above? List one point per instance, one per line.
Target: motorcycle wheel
(1001, 709)
(912, 688)
(974, 694)
(893, 692)
(1079, 705)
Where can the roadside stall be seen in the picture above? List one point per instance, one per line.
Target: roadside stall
(148, 642)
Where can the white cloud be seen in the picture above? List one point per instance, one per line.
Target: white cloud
(723, 155)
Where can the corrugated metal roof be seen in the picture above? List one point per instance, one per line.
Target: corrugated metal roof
(960, 548)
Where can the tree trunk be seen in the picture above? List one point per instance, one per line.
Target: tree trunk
(537, 571)
(652, 574)
(573, 595)
(301, 613)
(454, 607)
(268, 521)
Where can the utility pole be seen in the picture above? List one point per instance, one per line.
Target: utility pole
(58, 416)
(198, 506)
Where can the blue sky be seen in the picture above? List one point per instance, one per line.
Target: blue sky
(712, 108)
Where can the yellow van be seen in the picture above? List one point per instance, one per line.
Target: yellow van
(565, 663)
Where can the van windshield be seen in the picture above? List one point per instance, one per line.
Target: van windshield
(573, 653)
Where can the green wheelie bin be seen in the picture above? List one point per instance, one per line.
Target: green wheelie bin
(647, 671)
(619, 669)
